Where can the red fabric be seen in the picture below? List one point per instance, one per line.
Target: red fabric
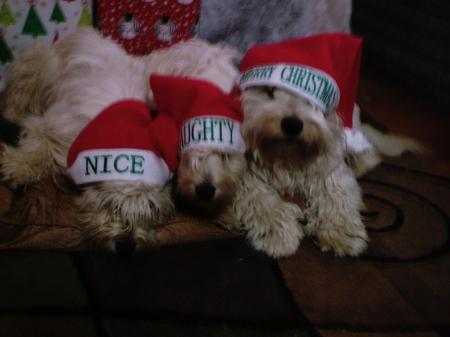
(149, 24)
(186, 98)
(165, 139)
(128, 124)
(337, 54)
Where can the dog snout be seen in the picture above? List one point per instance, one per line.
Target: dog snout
(205, 191)
(125, 246)
(291, 126)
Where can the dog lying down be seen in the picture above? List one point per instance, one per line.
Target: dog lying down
(293, 147)
(53, 93)
(211, 146)
(296, 144)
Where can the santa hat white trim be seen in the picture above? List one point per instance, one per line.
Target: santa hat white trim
(308, 82)
(211, 131)
(355, 141)
(119, 164)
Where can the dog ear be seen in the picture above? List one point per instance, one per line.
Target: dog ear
(9, 131)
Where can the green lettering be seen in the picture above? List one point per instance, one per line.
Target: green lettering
(196, 136)
(257, 73)
(302, 73)
(90, 164)
(221, 124)
(209, 128)
(230, 125)
(328, 93)
(105, 163)
(137, 162)
(116, 163)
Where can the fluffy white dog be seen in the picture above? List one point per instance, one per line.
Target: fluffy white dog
(53, 93)
(296, 145)
(298, 98)
(211, 147)
(297, 149)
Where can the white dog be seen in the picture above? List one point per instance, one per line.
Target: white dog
(297, 149)
(296, 145)
(211, 147)
(298, 97)
(75, 80)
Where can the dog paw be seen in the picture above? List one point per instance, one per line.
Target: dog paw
(278, 235)
(343, 241)
(277, 244)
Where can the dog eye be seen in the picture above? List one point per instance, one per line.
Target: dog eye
(269, 91)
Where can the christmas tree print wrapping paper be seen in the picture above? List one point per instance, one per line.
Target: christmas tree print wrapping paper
(24, 22)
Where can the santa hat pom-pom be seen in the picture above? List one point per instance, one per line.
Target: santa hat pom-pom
(355, 141)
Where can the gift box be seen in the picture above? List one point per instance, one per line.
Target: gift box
(145, 25)
(24, 22)
(140, 26)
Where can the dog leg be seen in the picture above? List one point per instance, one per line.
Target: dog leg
(334, 214)
(270, 223)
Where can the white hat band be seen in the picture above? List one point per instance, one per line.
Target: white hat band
(211, 132)
(310, 83)
(119, 164)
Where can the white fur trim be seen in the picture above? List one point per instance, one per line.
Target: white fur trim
(310, 83)
(119, 164)
(211, 132)
(356, 141)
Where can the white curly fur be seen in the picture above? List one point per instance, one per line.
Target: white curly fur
(219, 170)
(255, 195)
(312, 164)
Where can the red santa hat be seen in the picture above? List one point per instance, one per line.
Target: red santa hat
(322, 68)
(207, 116)
(124, 143)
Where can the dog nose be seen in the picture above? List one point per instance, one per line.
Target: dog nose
(125, 246)
(291, 126)
(205, 191)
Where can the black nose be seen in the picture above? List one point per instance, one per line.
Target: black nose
(291, 126)
(125, 246)
(205, 191)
